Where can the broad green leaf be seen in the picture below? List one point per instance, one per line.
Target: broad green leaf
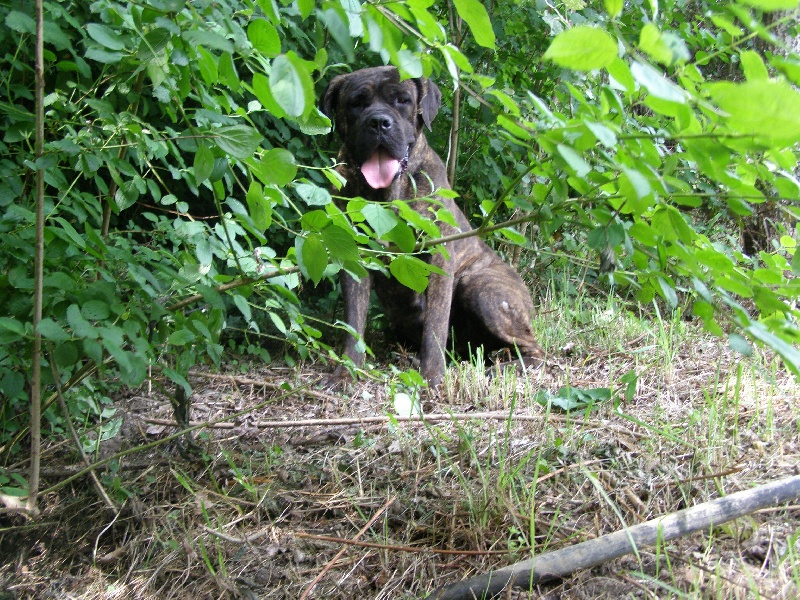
(340, 243)
(270, 9)
(582, 48)
(153, 43)
(95, 310)
(408, 63)
(276, 167)
(240, 141)
(313, 257)
(771, 5)
(740, 344)
(105, 36)
(291, 85)
(411, 272)
(207, 64)
(264, 37)
(244, 306)
(768, 110)
(181, 337)
(669, 222)
(787, 352)
(753, 65)
(403, 236)
(313, 195)
(574, 160)
(382, 220)
(20, 22)
(53, 331)
(613, 7)
(259, 207)
(475, 15)
(227, 72)
(80, 326)
(203, 163)
(655, 83)
(12, 330)
(663, 47)
(207, 39)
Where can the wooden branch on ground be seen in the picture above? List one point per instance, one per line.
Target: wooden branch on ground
(553, 565)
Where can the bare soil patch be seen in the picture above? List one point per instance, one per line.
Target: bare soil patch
(270, 508)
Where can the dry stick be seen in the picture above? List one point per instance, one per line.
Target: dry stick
(432, 418)
(553, 565)
(330, 564)
(38, 271)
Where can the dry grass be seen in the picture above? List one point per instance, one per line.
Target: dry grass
(252, 518)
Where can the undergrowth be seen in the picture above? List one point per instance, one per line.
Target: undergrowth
(662, 417)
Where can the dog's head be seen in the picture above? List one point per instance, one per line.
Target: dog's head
(380, 118)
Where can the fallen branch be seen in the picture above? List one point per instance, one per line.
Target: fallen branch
(379, 420)
(557, 564)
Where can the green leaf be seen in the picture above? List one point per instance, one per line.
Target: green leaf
(313, 195)
(768, 110)
(291, 85)
(613, 7)
(264, 37)
(203, 163)
(340, 243)
(663, 47)
(655, 83)
(259, 206)
(207, 64)
(475, 15)
(181, 337)
(207, 39)
(669, 222)
(53, 331)
(313, 257)
(582, 48)
(80, 326)
(20, 22)
(276, 167)
(789, 354)
(771, 5)
(153, 43)
(227, 72)
(411, 272)
(574, 160)
(382, 220)
(240, 141)
(95, 310)
(753, 65)
(105, 36)
(244, 307)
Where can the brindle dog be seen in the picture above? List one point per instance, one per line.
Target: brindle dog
(385, 156)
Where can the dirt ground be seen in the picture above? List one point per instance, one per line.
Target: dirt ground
(304, 492)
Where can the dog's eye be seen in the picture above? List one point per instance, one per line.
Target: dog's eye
(403, 100)
(358, 102)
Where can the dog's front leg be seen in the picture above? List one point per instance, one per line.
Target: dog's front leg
(356, 305)
(439, 297)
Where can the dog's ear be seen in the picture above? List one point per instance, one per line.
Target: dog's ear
(430, 99)
(330, 97)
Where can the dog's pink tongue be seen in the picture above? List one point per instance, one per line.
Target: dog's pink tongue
(380, 169)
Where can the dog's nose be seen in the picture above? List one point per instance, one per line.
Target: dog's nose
(380, 122)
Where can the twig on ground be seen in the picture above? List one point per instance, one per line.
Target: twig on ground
(332, 562)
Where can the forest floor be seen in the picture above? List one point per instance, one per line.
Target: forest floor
(307, 492)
